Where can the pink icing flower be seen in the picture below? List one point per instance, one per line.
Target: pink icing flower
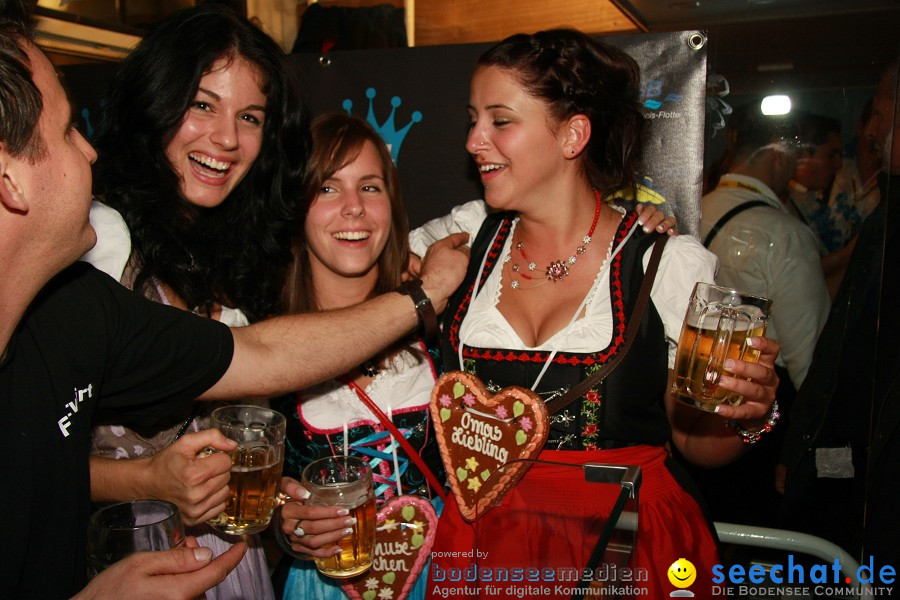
(501, 412)
(444, 400)
(592, 397)
(469, 399)
(525, 424)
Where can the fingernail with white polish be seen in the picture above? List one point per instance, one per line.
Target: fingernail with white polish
(202, 555)
(343, 512)
(350, 521)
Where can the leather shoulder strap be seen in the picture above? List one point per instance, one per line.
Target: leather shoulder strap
(727, 217)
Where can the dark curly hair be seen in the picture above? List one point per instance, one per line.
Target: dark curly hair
(235, 254)
(576, 74)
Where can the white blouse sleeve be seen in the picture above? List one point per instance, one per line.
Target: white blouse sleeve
(113, 248)
(684, 262)
(466, 217)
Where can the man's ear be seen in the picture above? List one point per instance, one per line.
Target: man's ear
(11, 194)
(577, 135)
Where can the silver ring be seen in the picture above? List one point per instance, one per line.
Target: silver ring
(298, 531)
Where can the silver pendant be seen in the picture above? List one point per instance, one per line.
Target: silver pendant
(557, 271)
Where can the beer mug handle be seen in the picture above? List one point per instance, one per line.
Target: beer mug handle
(719, 351)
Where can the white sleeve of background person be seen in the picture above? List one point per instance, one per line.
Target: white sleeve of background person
(684, 262)
(800, 297)
(466, 217)
(113, 248)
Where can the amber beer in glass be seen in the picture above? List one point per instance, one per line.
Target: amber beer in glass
(255, 466)
(717, 325)
(345, 481)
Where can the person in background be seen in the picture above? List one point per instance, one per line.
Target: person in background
(762, 248)
(205, 177)
(765, 250)
(556, 134)
(843, 443)
(818, 162)
(854, 196)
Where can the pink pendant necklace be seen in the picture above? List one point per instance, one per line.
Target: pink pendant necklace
(557, 270)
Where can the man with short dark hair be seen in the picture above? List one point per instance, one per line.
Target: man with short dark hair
(75, 345)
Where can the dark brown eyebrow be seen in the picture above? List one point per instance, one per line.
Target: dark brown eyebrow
(492, 107)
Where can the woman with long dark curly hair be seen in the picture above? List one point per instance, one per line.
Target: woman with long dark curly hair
(209, 221)
(202, 150)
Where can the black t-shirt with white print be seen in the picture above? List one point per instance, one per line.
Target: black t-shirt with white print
(87, 350)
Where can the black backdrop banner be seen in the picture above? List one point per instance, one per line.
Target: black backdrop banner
(416, 98)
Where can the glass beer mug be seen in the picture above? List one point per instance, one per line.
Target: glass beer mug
(717, 325)
(255, 466)
(345, 481)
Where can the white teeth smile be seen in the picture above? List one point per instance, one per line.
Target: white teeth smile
(353, 236)
(489, 168)
(210, 163)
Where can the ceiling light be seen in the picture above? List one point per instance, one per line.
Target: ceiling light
(775, 105)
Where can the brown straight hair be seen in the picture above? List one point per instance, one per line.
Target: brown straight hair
(338, 139)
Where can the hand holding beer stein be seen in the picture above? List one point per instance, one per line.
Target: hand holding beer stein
(255, 466)
(120, 530)
(345, 481)
(718, 324)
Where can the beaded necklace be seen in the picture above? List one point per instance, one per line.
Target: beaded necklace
(557, 270)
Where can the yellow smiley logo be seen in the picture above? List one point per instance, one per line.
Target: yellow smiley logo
(682, 573)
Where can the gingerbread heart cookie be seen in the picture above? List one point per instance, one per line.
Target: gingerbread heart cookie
(406, 526)
(478, 433)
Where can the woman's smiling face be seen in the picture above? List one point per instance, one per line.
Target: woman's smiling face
(349, 221)
(221, 133)
(512, 139)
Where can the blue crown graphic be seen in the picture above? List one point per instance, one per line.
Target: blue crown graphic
(392, 136)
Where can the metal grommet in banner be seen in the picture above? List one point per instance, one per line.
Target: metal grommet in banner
(697, 40)
(324, 60)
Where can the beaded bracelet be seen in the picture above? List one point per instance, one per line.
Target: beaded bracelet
(751, 437)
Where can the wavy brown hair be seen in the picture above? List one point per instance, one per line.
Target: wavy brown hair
(338, 139)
